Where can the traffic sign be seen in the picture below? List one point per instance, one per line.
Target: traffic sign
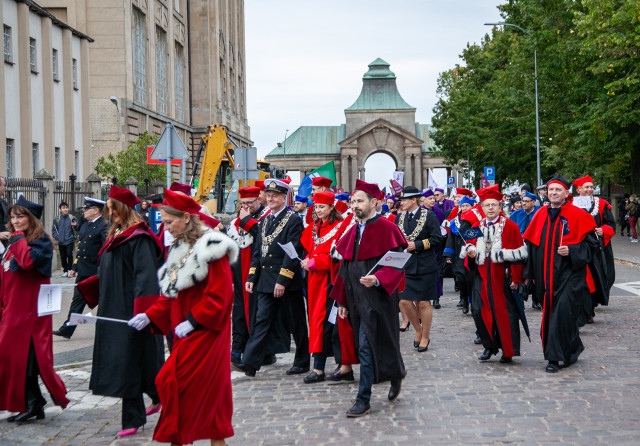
(245, 164)
(170, 145)
(451, 181)
(161, 161)
(490, 173)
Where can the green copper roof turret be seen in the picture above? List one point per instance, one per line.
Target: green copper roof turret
(379, 90)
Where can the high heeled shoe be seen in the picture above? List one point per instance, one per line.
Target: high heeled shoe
(127, 432)
(416, 344)
(424, 349)
(403, 329)
(151, 410)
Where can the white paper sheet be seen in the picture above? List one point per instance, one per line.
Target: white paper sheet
(49, 299)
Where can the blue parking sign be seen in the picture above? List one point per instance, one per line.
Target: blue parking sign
(451, 182)
(490, 173)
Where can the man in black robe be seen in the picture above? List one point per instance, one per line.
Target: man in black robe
(371, 299)
(561, 240)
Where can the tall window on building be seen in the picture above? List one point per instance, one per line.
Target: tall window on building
(56, 162)
(176, 5)
(76, 163)
(179, 73)
(161, 70)
(33, 56)
(7, 44)
(139, 57)
(35, 157)
(54, 61)
(10, 157)
(74, 71)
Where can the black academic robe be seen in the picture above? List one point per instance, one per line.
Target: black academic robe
(560, 279)
(374, 308)
(126, 361)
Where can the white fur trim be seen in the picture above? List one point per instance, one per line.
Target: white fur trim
(213, 245)
(498, 255)
(466, 249)
(514, 255)
(244, 240)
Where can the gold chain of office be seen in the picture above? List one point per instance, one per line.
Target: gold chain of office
(319, 240)
(411, 237)
(268, 239)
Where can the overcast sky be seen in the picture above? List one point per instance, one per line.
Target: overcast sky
(305, 59)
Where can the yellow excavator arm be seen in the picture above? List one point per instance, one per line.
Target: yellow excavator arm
(218, 148)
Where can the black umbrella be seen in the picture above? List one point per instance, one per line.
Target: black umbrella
(517, 298)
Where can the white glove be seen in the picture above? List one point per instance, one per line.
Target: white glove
(183, 329)
(139, 321)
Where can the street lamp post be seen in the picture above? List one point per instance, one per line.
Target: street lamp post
(284, 151)
(115, 102)
(535, 68)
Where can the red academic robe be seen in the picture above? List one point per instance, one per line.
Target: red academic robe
(499, 316)
(194, 384)
(322, 272)
(20, 283)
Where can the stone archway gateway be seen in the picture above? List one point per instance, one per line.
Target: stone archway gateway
(379, 168)
(380, 120)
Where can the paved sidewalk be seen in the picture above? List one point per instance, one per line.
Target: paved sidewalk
(448, 397)
(624, 250)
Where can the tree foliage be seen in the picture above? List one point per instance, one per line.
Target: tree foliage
(131, 162)
(589, 93)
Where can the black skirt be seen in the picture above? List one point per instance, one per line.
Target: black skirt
(420, 287)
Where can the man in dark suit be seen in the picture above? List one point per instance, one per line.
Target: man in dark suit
(422, 230)
(91, 236)
(275, 279)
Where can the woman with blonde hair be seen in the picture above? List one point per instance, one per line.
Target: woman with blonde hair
(125, 361)
(26, 346)
(197, 288)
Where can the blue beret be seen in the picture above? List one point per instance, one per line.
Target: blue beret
(530, 196)
(467, 200)
(343, 197)
(301, 199)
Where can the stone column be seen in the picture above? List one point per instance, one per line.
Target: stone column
(50, 212)
(344, 169)
(417, 169)
(354, 172)
(132, 185)
(158, 186)
(93, 183)
(408, 172)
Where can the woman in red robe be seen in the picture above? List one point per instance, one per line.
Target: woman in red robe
(195, 382)
(317, 239)
(26, 347)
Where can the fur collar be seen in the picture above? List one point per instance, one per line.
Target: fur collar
(212, 246)
(240, 236)
(493, 235)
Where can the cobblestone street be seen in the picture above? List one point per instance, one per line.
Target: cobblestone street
(448, 397)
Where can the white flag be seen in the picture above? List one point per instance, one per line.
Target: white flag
(49, 299)
(431, 181)
(393, 259)
(399, 177)
(81, 319)
(289, 250)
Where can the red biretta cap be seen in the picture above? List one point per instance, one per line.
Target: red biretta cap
(259, 184)
(580, 181)
(124, 195)
(490, 193)
(321, 181)
(369, 188)
(187, 204)
(324, 198)
(179, 187)
(463, 191)
(249, 192)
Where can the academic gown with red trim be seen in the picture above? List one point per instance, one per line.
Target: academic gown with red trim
(126, 361)
(322, 271)
(21, 274)
(497, 318)
(560, 279)
(374, 308)
(194, 384)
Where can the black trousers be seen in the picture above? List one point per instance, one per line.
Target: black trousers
(134, 412)
(66, 256)
(292, 303)
(77, 306)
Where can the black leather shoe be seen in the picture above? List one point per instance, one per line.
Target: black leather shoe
(24, 416)
(416, 344)
(339, 376)
(313, 378)
(395, 388)
(536, 306)
(245, 368)
(60, 332)
(358, 409)
(295, 370)
(485, 355)
(424, 349)
(436, 304)
(552, 367)
(235, 359)
(460, 304)
(506, 359)
(270, 359)
(465, 309)
(477, 340)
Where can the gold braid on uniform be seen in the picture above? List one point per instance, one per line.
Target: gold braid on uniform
(287, 273)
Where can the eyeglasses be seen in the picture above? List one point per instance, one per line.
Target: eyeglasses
(247, 203)
(527, 201)
(491, 205)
